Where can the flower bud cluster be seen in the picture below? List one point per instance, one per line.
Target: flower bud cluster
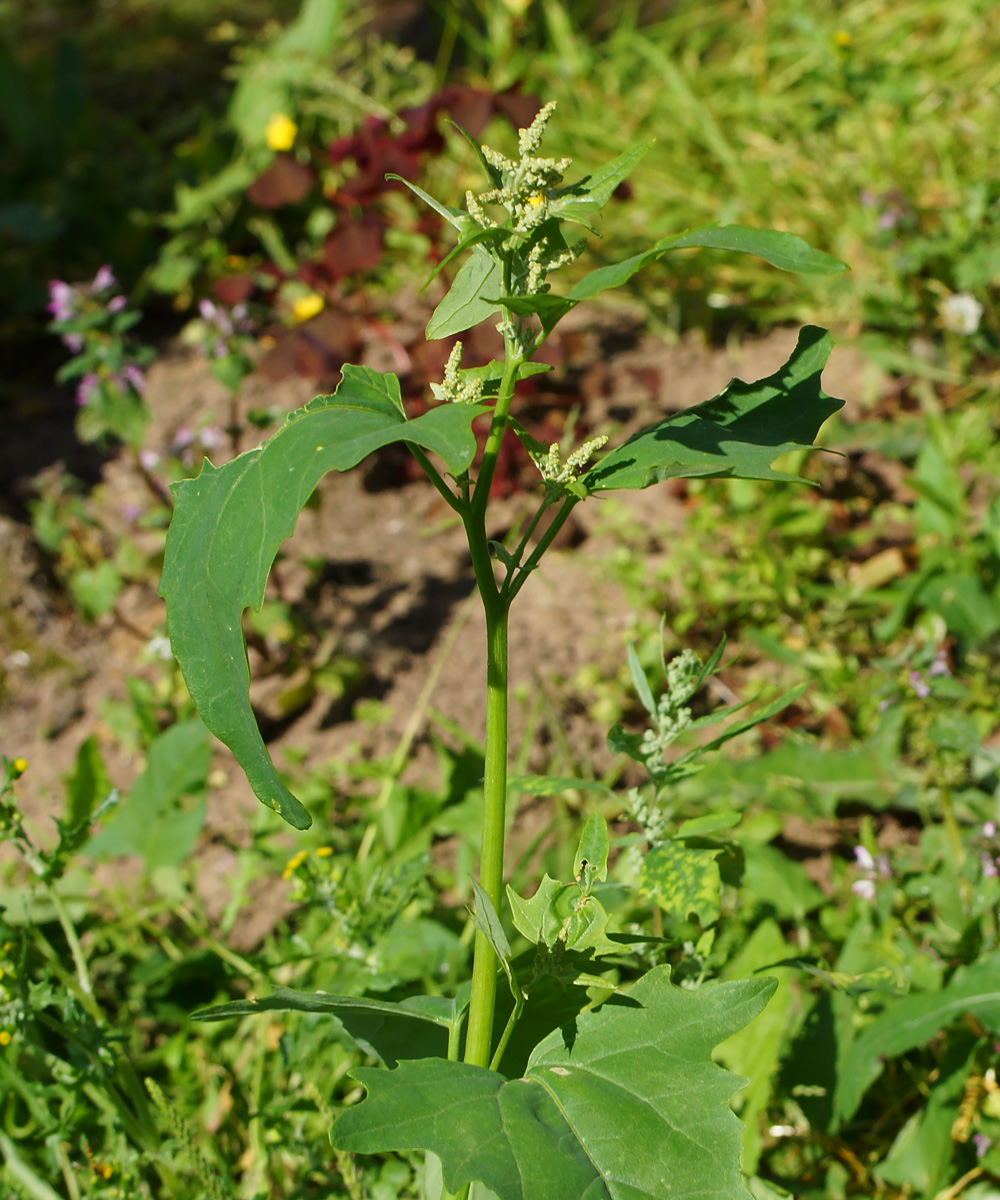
(559, 476)
(454, 389)
(525, 185)
(673, 716)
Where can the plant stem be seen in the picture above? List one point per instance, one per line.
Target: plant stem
(478, 1044)
(514, 583)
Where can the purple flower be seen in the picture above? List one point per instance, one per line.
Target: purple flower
(889, 219)
(211, 437)
(982, 1143)
(134, 376)
(116, 304)
(131, 511)
(148, 459)
(61, 299)
(74, 341)
(940, 664)
(183, 437)
(868, 198)
(919, 686)
(990, 829)
(103, 280)
(988, 865)
(87, 389)
(207, 310)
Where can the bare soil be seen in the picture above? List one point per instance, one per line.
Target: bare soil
(395, 588)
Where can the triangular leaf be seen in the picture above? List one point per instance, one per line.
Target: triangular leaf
(739, 433)
(624, 1104)
(229, 523)
(592, 852)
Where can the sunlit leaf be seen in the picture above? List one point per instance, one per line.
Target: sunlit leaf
(738, 433)
(623, 1104)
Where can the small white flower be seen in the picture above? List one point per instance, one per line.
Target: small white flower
(865, 888)
(961, 313)
(863, 858)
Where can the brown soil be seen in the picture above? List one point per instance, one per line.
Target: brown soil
(396, 588)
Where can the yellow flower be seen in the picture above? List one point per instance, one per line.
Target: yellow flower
(842, 38)
(20, 765)
(294, 863)
(537, 200)
(304, 307)
(324, 851)
(280, 132)
(105, 1170)
(234, 261)
(4, 1037)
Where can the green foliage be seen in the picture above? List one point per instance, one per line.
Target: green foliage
(622, 1105)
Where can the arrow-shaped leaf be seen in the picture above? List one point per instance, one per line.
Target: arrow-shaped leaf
(738, 433)
(229, 523)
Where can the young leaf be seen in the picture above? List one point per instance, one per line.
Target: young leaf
(464, 305)
(640, 682)
(388, 1032)
(588, 196)
(593, 849)
(624, 1104)
(454, 216)
(739, 433)
(488, 922)
(229, 523)
(564, 914)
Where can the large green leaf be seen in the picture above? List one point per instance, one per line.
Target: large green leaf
(624, 1104)
(738, 433)
(388, 1032)
(229, 523)
(913, 1021)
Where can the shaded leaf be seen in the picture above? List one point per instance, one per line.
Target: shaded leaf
(739, 433)
(152, 822)
(229, 523)
(388, 1032)
(913, 1021)
(554, 785)
(624, 1104)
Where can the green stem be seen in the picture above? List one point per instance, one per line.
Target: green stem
(514, 584)
(435, 477)
(478, 1045)
(498, 426)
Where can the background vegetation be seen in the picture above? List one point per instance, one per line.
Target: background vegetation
(856, 835)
